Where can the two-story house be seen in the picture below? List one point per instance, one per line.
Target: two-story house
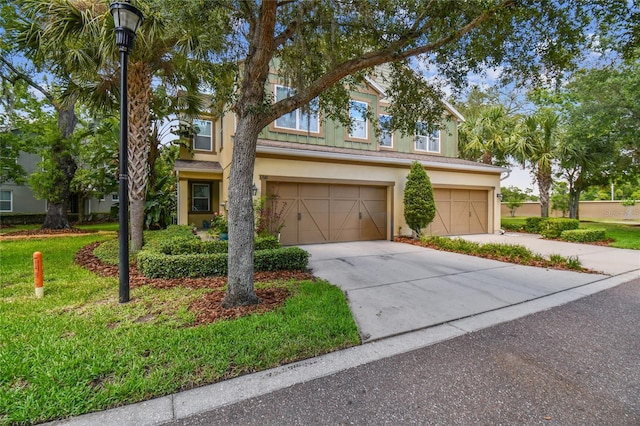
(341, 184)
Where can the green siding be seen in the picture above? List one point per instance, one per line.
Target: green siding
(333, 134)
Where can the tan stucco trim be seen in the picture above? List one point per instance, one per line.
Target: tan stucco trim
(298, 179)
(335, 157)
(480, 187)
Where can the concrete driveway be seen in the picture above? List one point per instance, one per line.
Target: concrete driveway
(395, 288)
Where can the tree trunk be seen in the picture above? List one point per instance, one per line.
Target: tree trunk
(544, 186)
(139, 96)
(240, 289)
(487, 158)
(252, 118)
(58, 203)
(574, 204)
(81, 198)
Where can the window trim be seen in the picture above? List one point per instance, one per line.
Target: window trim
(10, 200)
(298, 113)
(210, 135)
(115, 197)
(366, 122)
(430, 137)
(193, 197)
(381, 131)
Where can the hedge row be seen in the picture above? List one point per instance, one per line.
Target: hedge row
(584, 235)
(188, 245)
(159, 265)
(533, 225)
(553, 228)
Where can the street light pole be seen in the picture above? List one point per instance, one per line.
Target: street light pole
(126, 19)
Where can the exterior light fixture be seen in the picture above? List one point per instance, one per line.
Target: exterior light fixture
(126, 19)
(254, 189)
(499, 196)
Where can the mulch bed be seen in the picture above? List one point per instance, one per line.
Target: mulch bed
(532, 262)
(209, 308)
(40, 232)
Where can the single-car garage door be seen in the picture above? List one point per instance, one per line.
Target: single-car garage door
(321, 213)
(460, 211)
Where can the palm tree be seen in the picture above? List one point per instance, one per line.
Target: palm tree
(537, 148)
(486, 135)
(79, 35)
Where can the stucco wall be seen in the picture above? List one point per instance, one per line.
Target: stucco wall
(588, 210)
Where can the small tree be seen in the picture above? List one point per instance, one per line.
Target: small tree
(560, 197)
(269, 215)
(419, 206)
(514, 197)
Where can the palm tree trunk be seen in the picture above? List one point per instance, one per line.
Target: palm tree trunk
(240, 289)
(139, 94)
(544, 186)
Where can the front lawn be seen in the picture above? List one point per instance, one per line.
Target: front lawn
(623, 235)
(78, 350)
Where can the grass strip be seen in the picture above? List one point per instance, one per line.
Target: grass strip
(625, 236)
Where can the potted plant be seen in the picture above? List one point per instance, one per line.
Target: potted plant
(220, 225)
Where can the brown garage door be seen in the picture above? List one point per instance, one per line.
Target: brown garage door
(321, 213)
(460, 212)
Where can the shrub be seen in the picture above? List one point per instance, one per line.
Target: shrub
(160, 265)
(553, 228)
(419, 205)
(534, 225)
(573, 262)
(178, 245)
(506, 251)
(269, 212)
(289, 258)
(512, 226)
(267, 242)
(154, 239)
(584, 235)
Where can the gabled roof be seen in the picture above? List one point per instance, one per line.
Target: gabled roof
(378, 83)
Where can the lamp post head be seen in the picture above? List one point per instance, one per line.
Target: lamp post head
(127, 20)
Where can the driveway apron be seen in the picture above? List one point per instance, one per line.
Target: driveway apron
(395, 288)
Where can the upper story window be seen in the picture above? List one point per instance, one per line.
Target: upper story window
(6, 201)
(385, 135)
(427, 140)
(200, 197)
(301, 119)
(358, 115)
(203, 138)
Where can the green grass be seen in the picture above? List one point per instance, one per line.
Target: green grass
(625, 236)
(78, 350)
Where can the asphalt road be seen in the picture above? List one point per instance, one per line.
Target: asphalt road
(576, 364)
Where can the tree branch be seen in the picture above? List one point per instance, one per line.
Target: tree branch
(390, 53)
(282, 38)
(23, 76)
